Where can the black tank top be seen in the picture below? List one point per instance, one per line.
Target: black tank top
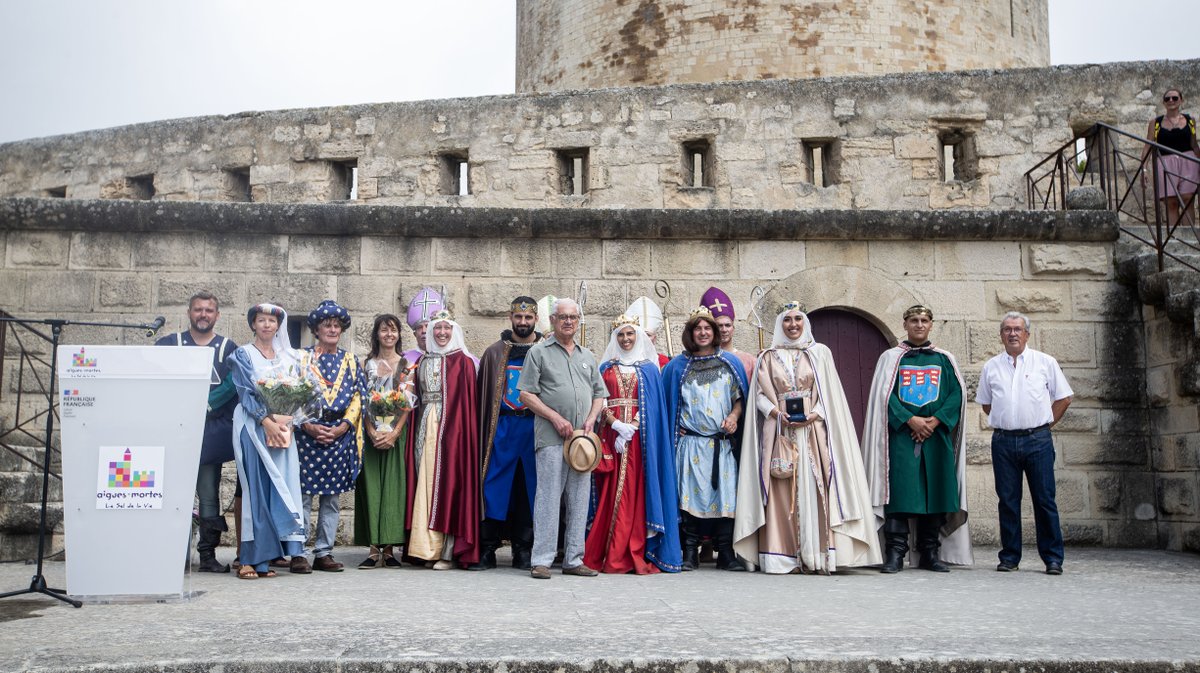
(1179, 139)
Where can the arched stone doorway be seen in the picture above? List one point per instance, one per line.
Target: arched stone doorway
(856, 344)
(850, 308)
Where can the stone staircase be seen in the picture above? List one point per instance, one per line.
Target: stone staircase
(1174, 293)
(20, 506)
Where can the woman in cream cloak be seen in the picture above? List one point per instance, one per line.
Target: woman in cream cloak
(815, 515)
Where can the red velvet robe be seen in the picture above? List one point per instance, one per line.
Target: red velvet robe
(620, 546)
(458, 507)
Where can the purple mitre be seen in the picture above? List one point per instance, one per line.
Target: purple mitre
(426, 302)
(718, 302)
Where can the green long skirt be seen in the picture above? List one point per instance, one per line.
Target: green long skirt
(379, 498)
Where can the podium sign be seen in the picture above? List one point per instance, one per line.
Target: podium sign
(132, 424)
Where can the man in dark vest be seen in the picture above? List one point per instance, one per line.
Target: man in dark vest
(217, 449)
(506, 439)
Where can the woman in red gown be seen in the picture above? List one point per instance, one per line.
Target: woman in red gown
(634, 528)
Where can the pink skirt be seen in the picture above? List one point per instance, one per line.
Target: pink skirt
(1178, 176)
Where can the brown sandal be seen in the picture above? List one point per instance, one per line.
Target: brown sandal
(269, 573)
(247, 572)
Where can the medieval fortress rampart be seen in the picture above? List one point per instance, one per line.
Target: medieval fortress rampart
(857, 191)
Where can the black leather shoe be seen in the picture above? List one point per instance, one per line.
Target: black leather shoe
(1006, 567)
(1053, 568)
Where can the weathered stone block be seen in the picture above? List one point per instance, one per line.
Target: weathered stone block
(770, 260)
(1177, 495)
(1104, 449)
(953, 299)
(1094, 300)
(1079, 533)
(1071, 493)
(100, 250)
(124, 290)
(176, 290)
(530, 257)
(493, 298)
(977, 259)
(1073, 258)
(626, 259)
(1032, 298)
(172, 251)
(605, 300)
(245, 252)
(979, 450)
(388, 254)
(1132, 534)
(364, 126)
(54, 291)
(574, 258)
(323, 254)
(296, 293)
(465, 256)
(903, 259)
(37, 249)
(1106, 493)
(836, 253)
(1079, 420)
(1175, 419)
(1068, 344)
(973, 194)
(985, 341)
(916, 146)
(265, 174)
(12, 291)
(1110, 384)
(370, 295)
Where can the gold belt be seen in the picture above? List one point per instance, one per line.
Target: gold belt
(622, 402)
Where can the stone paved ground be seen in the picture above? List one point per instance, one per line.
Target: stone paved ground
(1113, 610)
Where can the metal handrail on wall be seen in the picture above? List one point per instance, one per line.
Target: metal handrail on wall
(1128, 179)
(31, 387)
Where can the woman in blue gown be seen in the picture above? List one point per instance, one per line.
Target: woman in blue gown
(265, 448)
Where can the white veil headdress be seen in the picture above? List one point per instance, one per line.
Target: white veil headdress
(281, 343)
(457, 340)
(780, 340)
(642, 350)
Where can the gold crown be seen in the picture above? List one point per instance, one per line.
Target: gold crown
(524, 306)
(700, 312)
(916, 310)
(793, 305)
(440, 315)
(624, 319)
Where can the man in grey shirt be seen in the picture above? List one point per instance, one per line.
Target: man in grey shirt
(561, 384)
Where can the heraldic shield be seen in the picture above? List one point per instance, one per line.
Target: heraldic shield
(920, 385)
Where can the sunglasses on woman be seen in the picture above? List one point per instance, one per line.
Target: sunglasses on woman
(1170, 99)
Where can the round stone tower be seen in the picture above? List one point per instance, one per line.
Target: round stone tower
(589, 44)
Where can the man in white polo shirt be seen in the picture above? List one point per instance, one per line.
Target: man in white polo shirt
(1024, 393)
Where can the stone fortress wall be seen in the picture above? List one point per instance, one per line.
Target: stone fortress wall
(862, 142)
(593, 44)
(123, 260)
(884, 228)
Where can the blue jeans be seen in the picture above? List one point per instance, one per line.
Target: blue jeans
(1033, 456)
(328, 513)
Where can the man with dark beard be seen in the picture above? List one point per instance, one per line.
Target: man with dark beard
(217, 447)
(506, 438)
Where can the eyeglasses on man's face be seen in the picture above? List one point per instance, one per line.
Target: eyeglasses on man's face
(566, 318)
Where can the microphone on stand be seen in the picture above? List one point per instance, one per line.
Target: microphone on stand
(154, 326)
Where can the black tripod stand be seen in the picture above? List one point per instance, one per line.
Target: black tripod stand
(38, 584)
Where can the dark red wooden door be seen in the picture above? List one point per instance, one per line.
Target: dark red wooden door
(856, 345)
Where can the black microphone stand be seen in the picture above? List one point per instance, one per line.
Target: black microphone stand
(38, 583)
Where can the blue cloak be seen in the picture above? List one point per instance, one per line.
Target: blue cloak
(658, 456)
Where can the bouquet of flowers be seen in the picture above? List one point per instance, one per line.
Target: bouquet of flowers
(383, 405)
(290, 395)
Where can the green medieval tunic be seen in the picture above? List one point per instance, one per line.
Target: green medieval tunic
(922, 479)
(379, 495)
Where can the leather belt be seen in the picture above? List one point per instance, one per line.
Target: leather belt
(1021, 433)
(505, 411)
(691, 433)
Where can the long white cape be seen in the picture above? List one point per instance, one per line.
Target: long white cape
(956, 538)
(850, 514)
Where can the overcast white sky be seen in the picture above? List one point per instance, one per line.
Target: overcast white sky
(74, 65)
